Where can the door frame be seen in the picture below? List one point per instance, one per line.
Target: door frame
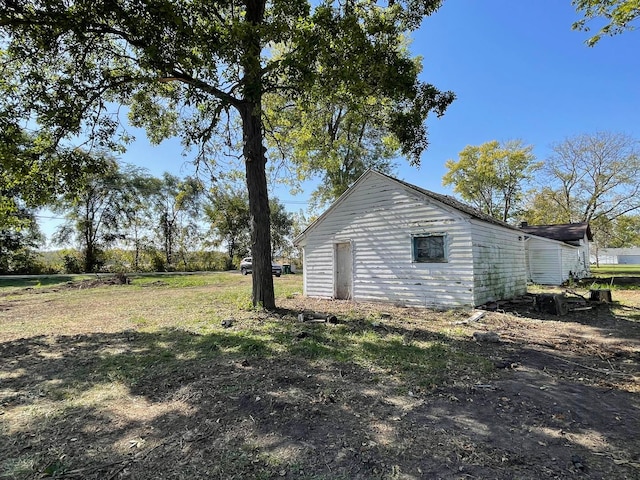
(336, 272)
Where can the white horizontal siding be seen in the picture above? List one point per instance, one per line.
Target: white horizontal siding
(499, 265)
(571, 265)
(545, 262)
(585, 257)
(552, 262)
(318, 270)
(378, 218)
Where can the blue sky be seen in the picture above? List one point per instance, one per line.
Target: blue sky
(518, 71)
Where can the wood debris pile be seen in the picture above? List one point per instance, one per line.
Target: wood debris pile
(553, 303)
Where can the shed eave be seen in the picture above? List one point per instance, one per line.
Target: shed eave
(550, 240)
(300, 239)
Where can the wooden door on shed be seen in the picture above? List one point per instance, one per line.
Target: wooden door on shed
(343, 271)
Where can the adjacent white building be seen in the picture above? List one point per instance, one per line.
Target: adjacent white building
(387, 240)
(614, 256)
(557, 253)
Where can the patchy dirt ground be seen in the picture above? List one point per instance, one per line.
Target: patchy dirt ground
(561, 399)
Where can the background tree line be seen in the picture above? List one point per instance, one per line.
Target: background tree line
(591, 178)
(121, 218)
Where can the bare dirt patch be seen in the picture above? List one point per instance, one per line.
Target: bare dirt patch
(559, 398)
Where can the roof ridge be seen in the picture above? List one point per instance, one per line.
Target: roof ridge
(452, 202)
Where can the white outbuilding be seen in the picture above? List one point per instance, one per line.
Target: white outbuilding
(614, 256)
(557, 253)
(389, 241)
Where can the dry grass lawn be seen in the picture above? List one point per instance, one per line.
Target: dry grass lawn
(178, 377)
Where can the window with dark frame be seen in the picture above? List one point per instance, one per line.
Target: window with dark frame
(429, 248)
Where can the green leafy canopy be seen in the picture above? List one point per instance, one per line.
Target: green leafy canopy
(183, 67)
(617, 15)
(491, 176)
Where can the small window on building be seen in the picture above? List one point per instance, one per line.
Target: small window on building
(429, 248)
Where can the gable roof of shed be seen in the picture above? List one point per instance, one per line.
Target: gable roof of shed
(444, 199)
(564, 232)
(453, 202)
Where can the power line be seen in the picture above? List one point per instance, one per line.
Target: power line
(49, 218)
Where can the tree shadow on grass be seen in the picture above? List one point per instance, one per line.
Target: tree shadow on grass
(278, 404)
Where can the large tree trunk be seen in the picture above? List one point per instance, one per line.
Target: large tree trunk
(89, 259)
(255, 159)
(255, 162)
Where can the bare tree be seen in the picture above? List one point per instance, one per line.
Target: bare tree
(594, 176)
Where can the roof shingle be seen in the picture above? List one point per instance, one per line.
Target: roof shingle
(565, 232)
